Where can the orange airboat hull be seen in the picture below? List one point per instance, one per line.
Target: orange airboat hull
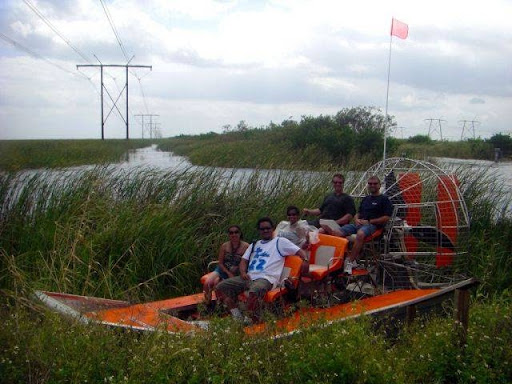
(159, 315)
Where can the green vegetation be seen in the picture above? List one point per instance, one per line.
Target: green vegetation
(22, 154)
(352, 352)
(352, 139)
(144, 235)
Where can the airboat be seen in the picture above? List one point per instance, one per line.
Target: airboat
(416, 261)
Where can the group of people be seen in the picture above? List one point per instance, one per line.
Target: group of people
(374, 212)
(256, 268)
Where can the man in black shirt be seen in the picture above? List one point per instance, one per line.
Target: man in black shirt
(374, 212)
(337, 206)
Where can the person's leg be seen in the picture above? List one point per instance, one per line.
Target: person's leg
(362, 233)
(229, 289)
(257, 290)
(347, 230)
(212, 279)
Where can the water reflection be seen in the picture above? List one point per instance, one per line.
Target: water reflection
(502, 170)
(150, 158)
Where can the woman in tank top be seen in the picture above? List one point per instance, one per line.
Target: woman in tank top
(230, 254)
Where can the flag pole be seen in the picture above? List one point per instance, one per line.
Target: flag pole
(387, 95)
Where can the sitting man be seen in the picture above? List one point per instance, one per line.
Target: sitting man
(260, 270)
(374, 212)
(337, 206)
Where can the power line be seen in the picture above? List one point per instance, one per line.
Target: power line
(152, 126)
(37, 55)
(52, 27)
(111, 21)
(121, 45)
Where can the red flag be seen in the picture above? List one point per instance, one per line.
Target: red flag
(399, 29)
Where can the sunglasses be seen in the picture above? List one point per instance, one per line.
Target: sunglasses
(265, 228)
(234, 232)
(337, 182)
(373, 183)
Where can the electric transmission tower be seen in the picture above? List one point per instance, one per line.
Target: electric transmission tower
(432, 129)
(464, 126)
(125, 89)
(151, 130)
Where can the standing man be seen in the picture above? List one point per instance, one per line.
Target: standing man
(260, 270)
(375, 211)
(337, 206)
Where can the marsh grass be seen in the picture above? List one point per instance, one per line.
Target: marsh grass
(39, 346)
(137, 233)
(24, 154)
(146, 234)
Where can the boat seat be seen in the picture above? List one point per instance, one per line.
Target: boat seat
(291, 273)
(377, 235)
(326, 256)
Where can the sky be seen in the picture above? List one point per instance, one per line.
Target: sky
(216, 63)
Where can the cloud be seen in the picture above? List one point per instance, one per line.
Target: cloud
(219, 62)
(477, 100)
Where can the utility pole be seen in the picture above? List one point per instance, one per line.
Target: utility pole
(126, 66)
(430, 127)
(401, 131)
(464, 126)
(150, 123)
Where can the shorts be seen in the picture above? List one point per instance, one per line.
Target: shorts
(223, 275)
(350, 229)
(236, 285)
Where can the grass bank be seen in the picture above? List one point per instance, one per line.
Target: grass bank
(27, 154)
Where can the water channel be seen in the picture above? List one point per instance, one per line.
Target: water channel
(152, 158)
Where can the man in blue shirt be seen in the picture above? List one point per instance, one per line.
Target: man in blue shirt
(374, 212)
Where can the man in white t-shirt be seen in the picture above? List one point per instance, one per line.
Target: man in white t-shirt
(260, 269)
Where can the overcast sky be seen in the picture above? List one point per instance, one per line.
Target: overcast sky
(220, 62)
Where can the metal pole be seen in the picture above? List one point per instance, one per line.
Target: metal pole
(127, 135)
(151, 126)
(102, 122)
(387, 98)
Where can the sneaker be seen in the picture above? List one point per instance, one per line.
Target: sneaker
(348, 267)
(247, 321)
(236, 314)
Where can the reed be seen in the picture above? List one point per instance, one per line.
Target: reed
(39, 346)
(148, 234)
(138, 234)
(24, 154)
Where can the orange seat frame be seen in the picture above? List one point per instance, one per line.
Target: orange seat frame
(326, 256)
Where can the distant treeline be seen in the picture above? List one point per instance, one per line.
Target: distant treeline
(353, 138)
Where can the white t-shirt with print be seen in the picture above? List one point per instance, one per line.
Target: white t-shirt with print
(267, 258)
(297, 233)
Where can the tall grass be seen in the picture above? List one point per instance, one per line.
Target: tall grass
(134, 234)
(24, 154)
(38, 346)
(147, 234)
